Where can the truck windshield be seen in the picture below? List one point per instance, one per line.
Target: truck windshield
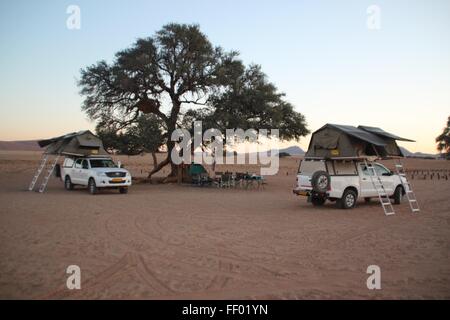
(102, 163)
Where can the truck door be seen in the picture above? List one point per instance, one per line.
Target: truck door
(84, 172)
(386, 177)
(75, 172)
(366, 186)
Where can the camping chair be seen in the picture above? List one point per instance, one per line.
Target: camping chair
(254, 181)
(217, 179)
(260, 181)
(239, 179)
(247, 180)
(227, 180)
(196, 179)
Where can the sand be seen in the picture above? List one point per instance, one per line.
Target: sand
(182, 242)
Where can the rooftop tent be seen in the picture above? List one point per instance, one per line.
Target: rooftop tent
(342, 141)
(389, 138)
(82, 143)
(383, 134)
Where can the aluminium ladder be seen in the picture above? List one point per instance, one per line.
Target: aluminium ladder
(410, 195)
(49, 172)
(381, 190)
(38, 172)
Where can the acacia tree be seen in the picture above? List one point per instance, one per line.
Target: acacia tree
(443, 140)
(177, 66)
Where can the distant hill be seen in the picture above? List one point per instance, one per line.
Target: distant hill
(410, 154)
(293, 151)
(25, 145)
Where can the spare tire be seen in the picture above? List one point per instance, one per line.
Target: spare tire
(320, 181)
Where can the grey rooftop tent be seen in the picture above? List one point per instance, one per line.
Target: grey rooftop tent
(81, 143)
(342, 141)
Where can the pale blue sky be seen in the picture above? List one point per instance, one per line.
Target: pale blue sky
(320, 53)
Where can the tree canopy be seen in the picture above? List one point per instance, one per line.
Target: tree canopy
(147, 135)
(443, 140)
(251, 102)
(177, 75)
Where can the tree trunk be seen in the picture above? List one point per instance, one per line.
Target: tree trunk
(171, 126)
(214, 162)
(171, 123)
(166, 161)
(155, 160)
(161, 165)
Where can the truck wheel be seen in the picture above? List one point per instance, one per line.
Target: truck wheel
(320, 181)
(123, 190)
(348, 200)
(68, 183)
(317, 201)
(92, 186)
(398, 195)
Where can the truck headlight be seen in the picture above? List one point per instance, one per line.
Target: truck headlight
(101, 174)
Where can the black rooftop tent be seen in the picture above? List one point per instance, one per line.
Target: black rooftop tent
(81, 143)
(342, 141)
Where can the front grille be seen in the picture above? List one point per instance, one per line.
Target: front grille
(112, 182)
(116, 174)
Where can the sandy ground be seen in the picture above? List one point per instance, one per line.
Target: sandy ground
(182, 242)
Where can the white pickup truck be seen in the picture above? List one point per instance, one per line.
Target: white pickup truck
(94, 173)
(345, 182)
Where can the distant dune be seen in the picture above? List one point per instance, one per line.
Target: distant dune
(293, 151)
(25, 145)
(410, 154)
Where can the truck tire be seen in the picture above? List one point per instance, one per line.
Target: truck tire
(68, 183)
(348, 200)
(318, 201)
(398, 195)
(92, 186)
(123, 190)
(320, 181)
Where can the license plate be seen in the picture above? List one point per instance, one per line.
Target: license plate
(117, 180)
(303, 193)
